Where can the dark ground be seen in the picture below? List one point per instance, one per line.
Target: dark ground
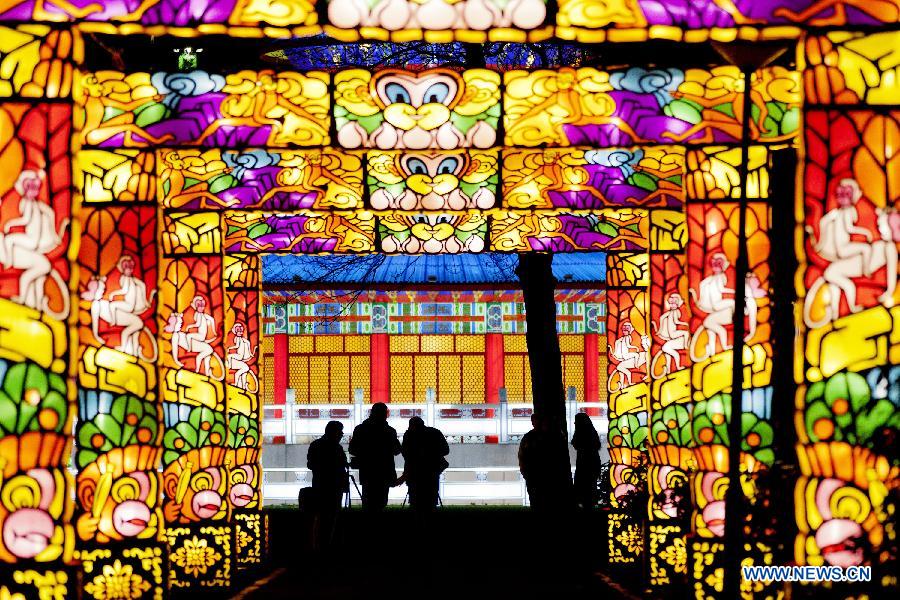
(465, 552)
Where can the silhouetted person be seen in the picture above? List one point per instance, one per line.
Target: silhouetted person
(374, 445)
(328, 463)
(424, 449)
(544, 463)
(586, 442)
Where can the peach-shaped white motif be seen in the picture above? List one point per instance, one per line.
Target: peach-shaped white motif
(714, 517)
(436, 15)
(241, 494)
(455, 200)
(27, 532)
(206, 504)
(385, 137)
(351, 135)
(347, 14)
(527, 14)
(433, 246)
(838, 539)
(448, 136)
(393, 14)
(475, 243)
(382, 199)
(481, 14)
(389, 244)
(412, 245)
(483, 198)
(419, 139)
(622, 490)
(481, 135)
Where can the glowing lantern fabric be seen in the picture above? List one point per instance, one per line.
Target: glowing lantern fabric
(177, 180)
(847, 283)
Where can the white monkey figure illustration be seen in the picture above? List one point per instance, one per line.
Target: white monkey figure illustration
(627, 355)
(838, 225)
(243, 354)
(134, 302)
(711, 300)
(675, 339)
(719, 309)
(27, 250)
(206, 332)
(38, 219)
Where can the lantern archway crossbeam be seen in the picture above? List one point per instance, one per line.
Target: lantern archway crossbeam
(475, 21)
(595, 191)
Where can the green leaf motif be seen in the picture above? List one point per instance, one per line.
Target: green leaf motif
(127, 421)
(662, 430)
(150, 113)
(31, 399)
(607, 229)
(643, 181)
(202, 427)
(242, 431)
(221, 183)
(684, 110)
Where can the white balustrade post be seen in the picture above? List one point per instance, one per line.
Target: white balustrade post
(289, 398)
(430, 396)
(504, 416)
(571, 408)
(357, 406)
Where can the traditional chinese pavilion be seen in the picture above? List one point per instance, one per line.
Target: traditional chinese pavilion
(451, 323)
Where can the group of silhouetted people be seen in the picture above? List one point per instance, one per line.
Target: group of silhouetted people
(543, 461)
(373, 446)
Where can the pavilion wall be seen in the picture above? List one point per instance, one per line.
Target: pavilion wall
(462, 345)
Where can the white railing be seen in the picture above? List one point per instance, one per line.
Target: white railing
(507, 421)
(457, 486)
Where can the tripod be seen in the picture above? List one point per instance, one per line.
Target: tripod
(353, 480)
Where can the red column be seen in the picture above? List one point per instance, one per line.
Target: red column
(279, 387)
(591, 365)
(493, 372)
(493, 366)
(380, 367)
(280, 350)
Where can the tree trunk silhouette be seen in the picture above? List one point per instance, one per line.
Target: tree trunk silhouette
(538, 288)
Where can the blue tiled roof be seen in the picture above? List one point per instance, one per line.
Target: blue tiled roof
(582, 267)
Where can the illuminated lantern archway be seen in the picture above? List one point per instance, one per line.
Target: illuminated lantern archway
(134, 205)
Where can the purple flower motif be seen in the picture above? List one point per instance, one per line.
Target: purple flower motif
(641, 113)
(255, 184)
(109, 9)
(691, 14)
(282, 236)
(700, 14)
(580, 233)
(188, 12)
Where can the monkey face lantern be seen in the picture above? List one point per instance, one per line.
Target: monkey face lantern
(448, 180)
(436, 108)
